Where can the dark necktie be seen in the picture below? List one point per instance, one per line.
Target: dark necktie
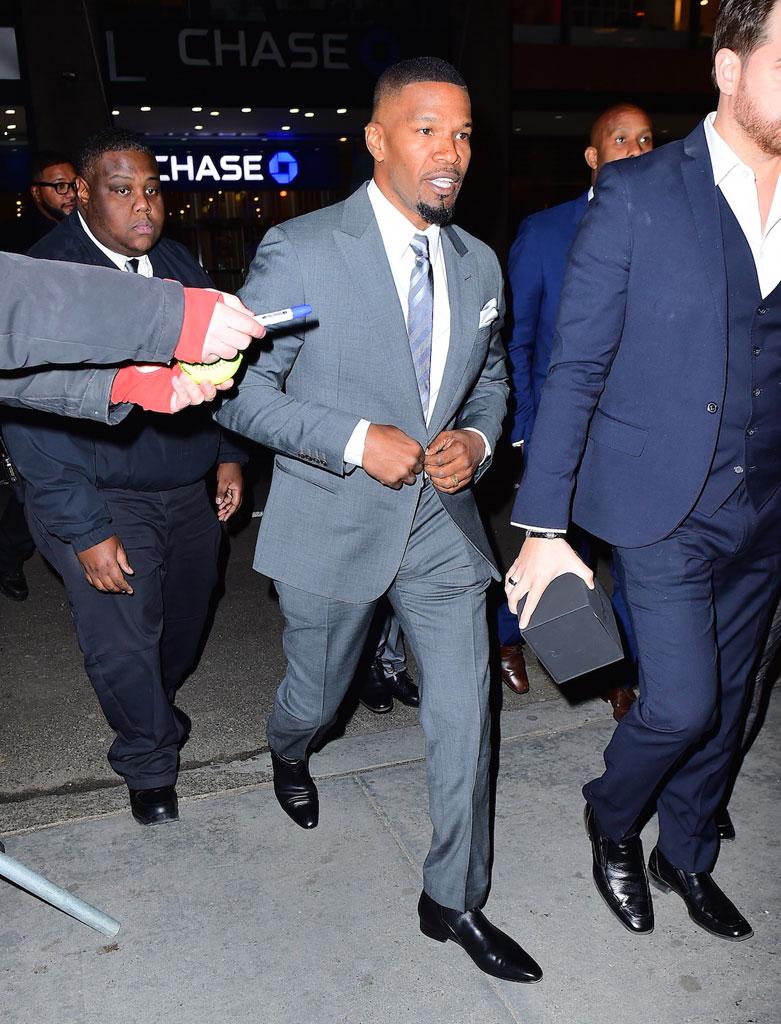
(420, 316)
(132, 265)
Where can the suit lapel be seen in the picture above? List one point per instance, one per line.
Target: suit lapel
(697, 174)
(464, 298)
(361, 247)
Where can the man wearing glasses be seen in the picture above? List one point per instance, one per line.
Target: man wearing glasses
(53, 191)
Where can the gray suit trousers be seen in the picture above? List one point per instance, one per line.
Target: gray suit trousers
(438, 595)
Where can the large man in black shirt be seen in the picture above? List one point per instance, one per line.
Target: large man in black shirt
(122, 513)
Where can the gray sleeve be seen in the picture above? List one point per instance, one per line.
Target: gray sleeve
(84, 393)
(260, 408)
(63, 313)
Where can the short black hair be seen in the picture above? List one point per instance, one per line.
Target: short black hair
(417, 69)
(741, 26)
(108, 140)
(46, 158)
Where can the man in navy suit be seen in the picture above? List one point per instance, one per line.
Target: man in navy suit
(658, 430)
(122, 512)
(535, 270)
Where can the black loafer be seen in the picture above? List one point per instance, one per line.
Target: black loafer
(375, 693)
(724, 825)
(404, 689)
(708, 906)
(492, 950)
(14, 585)
(620, 878)
(154, 806)
(295, 790)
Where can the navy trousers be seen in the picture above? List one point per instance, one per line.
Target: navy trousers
(700, 602)
(139, 648)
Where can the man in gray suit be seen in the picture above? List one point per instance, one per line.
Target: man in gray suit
(382, 413)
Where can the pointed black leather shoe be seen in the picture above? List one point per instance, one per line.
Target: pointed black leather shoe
(620, 878)
(491, 949)
(707, 904)
(154, 806)
(375, 693)
(404, 689)
(295, 790)
(724, 825)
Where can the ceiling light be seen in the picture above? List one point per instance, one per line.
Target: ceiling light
(341, 110)
(294, 110)
(246, 110)
(285, 128)
(214, 113)
(283, 194)
(10, 110)
(309, 113)
(146, 109)
(196, 110)
(198, 127)
(115, 113)
(343, 138)
(10, 127)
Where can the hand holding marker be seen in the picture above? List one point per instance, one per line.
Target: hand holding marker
(223, 369)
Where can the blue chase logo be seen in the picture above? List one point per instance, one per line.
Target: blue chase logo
(283, 168)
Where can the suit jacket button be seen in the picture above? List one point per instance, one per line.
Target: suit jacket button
(712, 407)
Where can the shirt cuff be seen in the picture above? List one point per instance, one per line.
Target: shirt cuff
(487, 454)
(353, 450)
(199, 306)
(518, 444)
(539, 529)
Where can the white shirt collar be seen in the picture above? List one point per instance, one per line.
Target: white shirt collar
(116, 257)
(397, 232)
(723, 158)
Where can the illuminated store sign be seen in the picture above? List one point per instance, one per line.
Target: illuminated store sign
(268, 167)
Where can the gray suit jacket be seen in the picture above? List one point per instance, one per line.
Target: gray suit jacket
(328, 529)
(55, 313)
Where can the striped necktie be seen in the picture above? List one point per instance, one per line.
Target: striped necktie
(420, 316)
(132, 265)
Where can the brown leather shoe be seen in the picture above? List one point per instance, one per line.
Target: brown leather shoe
(514, 668)
(621, 699)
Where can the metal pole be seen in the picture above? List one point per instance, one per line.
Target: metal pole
(59, 898)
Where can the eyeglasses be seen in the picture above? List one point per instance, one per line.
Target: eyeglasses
(60, 187)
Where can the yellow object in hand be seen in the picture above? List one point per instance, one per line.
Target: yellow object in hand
(213, 373)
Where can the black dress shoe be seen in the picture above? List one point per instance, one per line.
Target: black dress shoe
(14, 585)
(295, 790)
(707, 905)
(724, 825)
(404, 689)
(620, 878)
(376, 693)
(491, 949)
(153, 806)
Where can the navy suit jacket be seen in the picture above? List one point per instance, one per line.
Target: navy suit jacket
(535, 271)
(629, 415)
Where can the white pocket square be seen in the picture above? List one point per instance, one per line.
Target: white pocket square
(488, 313)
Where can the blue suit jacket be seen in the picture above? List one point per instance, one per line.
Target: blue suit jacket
(535, 271)
(629, 415)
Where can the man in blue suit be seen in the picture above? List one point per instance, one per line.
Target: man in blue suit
(535, 270)
(658, 430)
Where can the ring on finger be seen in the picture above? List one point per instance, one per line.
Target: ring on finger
(512, 582)
(454, 479)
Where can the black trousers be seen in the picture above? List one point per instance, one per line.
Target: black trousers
(139, 648)
(16, 544)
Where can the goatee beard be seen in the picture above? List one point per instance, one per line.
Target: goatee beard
(439, 215)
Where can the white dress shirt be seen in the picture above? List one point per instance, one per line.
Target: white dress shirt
(397, 233)
(144, 263)
(738, 184)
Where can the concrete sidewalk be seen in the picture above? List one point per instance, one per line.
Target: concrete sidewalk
(235, 916)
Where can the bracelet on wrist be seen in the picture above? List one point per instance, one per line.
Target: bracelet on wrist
(545, 534)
